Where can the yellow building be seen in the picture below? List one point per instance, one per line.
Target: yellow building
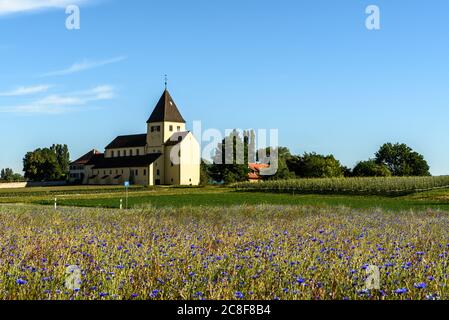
(166, 155)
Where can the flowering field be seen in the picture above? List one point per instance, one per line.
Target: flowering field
(242, 252)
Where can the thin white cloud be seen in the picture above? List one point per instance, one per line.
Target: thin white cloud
(24, 91)
(63, 103)
(82, 66)
(18, 6)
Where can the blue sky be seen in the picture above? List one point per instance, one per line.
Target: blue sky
(309, 68)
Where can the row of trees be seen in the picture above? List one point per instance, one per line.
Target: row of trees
(390, 160)
(8, 175)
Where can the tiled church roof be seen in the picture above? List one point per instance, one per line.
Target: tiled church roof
(166, 110)
(123, 162)
(136, 140)
(86, 158)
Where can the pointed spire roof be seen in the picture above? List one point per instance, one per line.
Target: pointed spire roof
(166, 110)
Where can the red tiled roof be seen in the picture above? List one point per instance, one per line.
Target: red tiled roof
(255, 168)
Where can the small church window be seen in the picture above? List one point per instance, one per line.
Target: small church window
(171, 128)
(144, 172)
(137, 152)
(130, 153)
(124, 153)
(178, 128)
(158, 172)
(118, 153)
(112, 153)
(137, 172)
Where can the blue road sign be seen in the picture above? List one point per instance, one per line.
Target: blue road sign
(126, 183)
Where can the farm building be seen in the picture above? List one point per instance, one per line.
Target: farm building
(254, 174)
(77, 167)
(167, 154)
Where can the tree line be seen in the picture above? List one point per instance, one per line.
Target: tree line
(8, 175)
(390, 160)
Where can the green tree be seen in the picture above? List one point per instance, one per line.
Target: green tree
(280, 155)
(63, 159)
(371, 169)
(47, 164)
(7, 175)
(204, 172)
(401, 160)
(347, 172)
(312, 165)
(17, 177)
(231, 159)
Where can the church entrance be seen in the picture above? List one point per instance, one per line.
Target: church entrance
(158, 182)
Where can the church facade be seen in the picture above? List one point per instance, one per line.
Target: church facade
(167, 154)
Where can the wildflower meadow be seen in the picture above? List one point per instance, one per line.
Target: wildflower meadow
(241, 252)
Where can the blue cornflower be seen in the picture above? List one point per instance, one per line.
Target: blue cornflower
(134, 295)
(103, 294)
(401, 291)
(239, 295)
(154, 293)
(421, 285)
(21, 281)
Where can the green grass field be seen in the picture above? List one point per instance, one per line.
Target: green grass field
(109, 197)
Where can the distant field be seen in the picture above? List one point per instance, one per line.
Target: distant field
(239, 252)
(109, 197)
(381, 186)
